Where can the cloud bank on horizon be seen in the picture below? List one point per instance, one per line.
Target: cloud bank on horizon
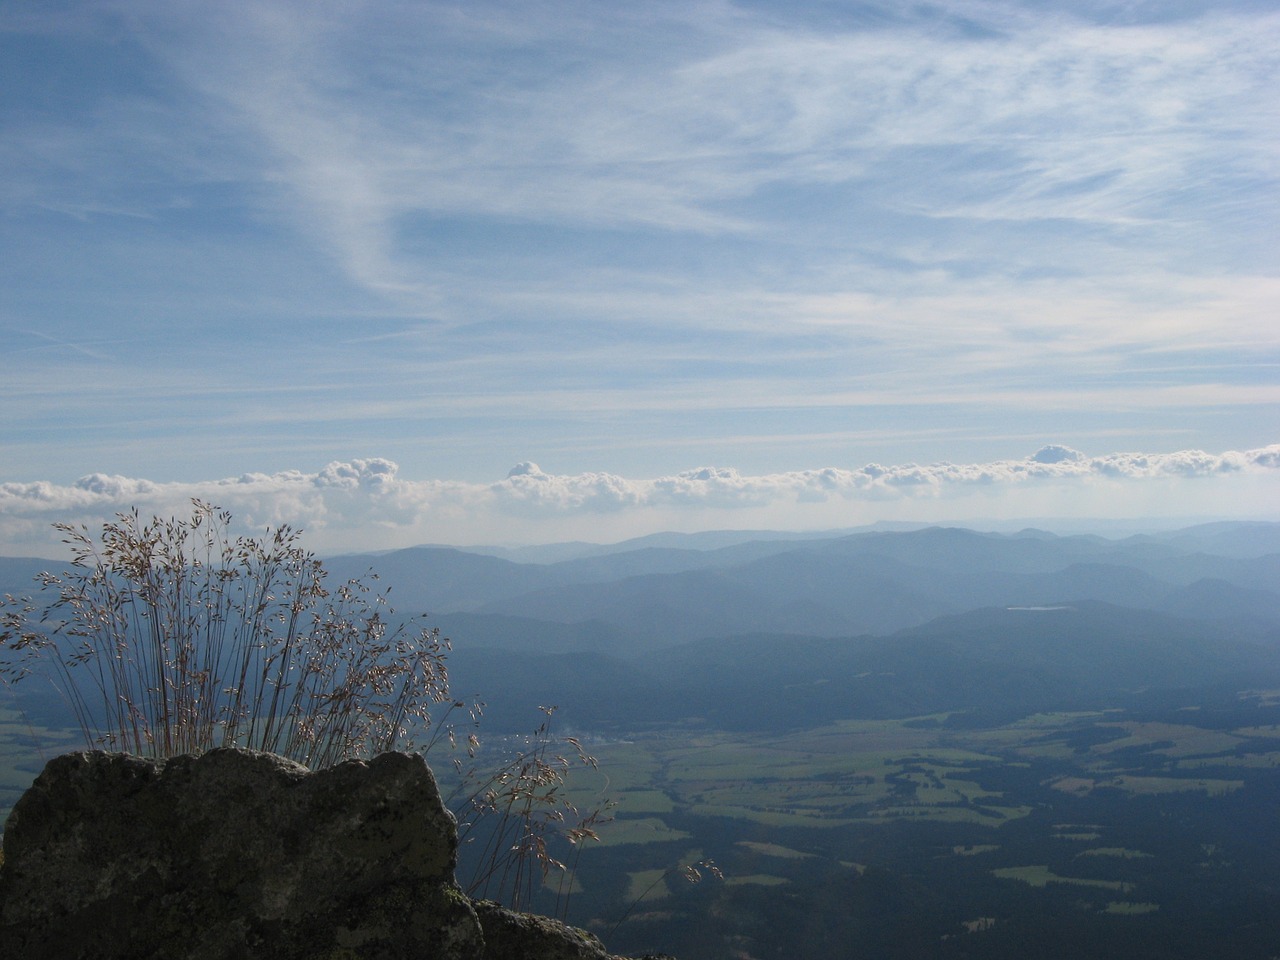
(365, 504)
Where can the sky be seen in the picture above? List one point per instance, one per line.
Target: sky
(410, 272)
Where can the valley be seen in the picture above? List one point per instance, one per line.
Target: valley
(1129, 832)
(932, 743)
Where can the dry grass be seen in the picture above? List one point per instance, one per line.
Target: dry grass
(172, 637)
(518, 812)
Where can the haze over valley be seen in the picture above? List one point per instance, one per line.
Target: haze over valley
(979, 737)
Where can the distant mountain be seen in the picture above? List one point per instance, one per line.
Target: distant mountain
(437, 580)
(1214, 599)
(881, 582)
(526, 635)
(997, 660)
(1227, 539)
(779, 629)
(657, 592)
(701, 541)
(17, 574)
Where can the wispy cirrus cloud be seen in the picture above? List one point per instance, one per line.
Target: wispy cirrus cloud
(600, 235)
(369, 120)
(365, 504)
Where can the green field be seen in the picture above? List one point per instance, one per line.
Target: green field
(1041, 876)
(1132, 819)
(1061, 812)
(828, 777)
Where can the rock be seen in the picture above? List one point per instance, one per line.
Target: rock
(237, 854)
(524, 936)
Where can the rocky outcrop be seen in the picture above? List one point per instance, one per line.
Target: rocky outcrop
(237, 854)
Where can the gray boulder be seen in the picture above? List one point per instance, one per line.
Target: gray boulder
(238, 854)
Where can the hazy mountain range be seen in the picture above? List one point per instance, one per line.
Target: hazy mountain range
(764, 629)
(760, 630)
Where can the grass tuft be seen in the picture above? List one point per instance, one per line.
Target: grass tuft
(168, 637)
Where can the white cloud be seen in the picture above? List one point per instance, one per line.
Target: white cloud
(666, 120)
(366, 504)
(376, 474)
(615, 233)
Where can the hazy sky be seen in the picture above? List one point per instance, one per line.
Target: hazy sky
(679, 264)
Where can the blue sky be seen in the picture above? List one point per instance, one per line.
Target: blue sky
(693, 264)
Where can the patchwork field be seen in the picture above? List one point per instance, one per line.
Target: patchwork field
(872, 771)
(1051, 812)
(1149, 821)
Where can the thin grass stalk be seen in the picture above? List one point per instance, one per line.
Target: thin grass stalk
(175, 636)
(285, 655)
